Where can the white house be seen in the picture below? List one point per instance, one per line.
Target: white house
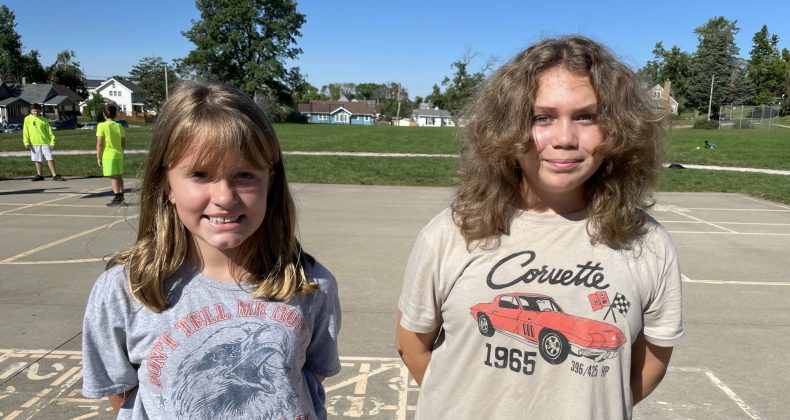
(129, 96)
(427, 116)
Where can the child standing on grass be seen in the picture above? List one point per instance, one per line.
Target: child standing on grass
(37, 136)
(110, 143)
(545, 289)
(215, 312)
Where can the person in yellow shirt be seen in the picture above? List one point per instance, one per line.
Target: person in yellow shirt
(38, 138)
(110, 142)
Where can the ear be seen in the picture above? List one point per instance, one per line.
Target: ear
(170, 196)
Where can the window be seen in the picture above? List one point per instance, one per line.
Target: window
(341, 118)
(508, 302)
(322, 117)
(656, 94)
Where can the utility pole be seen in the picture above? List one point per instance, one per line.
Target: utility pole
(166, 90)
(397, 115)
(710, 100)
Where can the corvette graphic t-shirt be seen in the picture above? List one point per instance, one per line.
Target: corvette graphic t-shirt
(215, 353)
(540, 324)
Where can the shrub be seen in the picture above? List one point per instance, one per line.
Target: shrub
(706, 125)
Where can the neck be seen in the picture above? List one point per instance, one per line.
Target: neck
(214, 264)
(535, 201)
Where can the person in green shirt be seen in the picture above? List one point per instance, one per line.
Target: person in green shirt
(37, 137)
(110, 142)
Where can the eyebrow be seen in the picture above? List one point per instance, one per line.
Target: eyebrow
(549, 109)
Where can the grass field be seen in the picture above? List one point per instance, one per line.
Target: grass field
(768, 149)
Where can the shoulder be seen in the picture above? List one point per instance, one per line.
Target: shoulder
(657, 239)
(319, 274)
(441, 225)
(111, 285)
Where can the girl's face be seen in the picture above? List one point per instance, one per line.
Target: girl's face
(565, 133)
(220, 207)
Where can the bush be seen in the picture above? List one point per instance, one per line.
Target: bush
(707, 125)
(742, 124)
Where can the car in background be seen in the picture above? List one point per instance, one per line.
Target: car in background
(63, 124)
(88, 126)
(123, 123)
(12, 128)
(539, 320)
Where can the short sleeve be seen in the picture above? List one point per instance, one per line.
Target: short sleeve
(106, 366)
(663, 323)
(322, 356)
(419, 302)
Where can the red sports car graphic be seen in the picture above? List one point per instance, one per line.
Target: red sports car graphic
(538, 319)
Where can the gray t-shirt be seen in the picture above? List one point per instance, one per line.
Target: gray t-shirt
(215, 353)
(540, 327)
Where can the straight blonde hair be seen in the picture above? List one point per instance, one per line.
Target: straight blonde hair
(499, 123)
(229, 125)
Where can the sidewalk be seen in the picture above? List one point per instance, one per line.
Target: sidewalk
(295, 152)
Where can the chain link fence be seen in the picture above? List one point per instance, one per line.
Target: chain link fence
(748, 116)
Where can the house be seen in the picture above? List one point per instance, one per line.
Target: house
(341, 111)
(58, 101)
(429, 116)
(661, 95)
(129, 96)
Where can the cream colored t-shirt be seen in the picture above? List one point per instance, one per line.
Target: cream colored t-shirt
(540, 327)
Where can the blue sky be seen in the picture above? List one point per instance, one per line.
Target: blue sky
(408, 41)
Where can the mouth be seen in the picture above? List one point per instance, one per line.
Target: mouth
(223, 220)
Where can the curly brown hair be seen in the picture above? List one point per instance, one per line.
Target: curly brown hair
(498, 126)
(231, 126)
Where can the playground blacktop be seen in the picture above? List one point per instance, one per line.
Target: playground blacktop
(734, 250)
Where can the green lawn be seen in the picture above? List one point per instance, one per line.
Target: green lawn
(750, 148)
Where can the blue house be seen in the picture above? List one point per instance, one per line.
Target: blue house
(342, 111)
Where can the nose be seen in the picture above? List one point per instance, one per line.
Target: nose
(223, 193)
(565, 136)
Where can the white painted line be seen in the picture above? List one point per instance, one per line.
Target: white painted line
(723, 387)
(75, 261)
(27, 206)
(771, 203)
(735, 282)
(702, 221)
(691, 222)
(66, 239)
(700, 232)
(738, 210)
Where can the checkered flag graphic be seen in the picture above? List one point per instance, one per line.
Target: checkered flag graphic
(621, 304)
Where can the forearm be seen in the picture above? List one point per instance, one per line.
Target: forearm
(649, 364)
(415, 349)
(417, 363)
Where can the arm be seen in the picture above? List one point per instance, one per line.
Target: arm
(116, 400)
(648, 366)
(99, 149)
(25, 134)
(415, 349)
(123, 143)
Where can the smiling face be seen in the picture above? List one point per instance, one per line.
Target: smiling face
(564, 136)
(220, 205)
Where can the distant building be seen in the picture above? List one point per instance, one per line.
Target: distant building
(429, 116)
(661, 94)
(127, 95)
(58, 102)
(342, 111)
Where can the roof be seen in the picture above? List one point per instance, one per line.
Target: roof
(57, 100)
(11, 100)
(37, 93)
(328, 107)
(432, 113)
(91, 84)
(128, 84)
(65, 91)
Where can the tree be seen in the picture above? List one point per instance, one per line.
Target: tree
(716, 57)
(66, 71)
(672, 65)
(149, 73)
(460, 88)
(30, 66)
(10, 46)
(246, 43)
(94, 107)
(766, 69)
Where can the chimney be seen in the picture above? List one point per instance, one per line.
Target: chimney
(665, 93)
(24, 80)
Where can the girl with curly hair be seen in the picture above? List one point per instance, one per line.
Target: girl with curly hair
(546, 290)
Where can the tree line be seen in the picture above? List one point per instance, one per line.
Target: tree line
(248, 43)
